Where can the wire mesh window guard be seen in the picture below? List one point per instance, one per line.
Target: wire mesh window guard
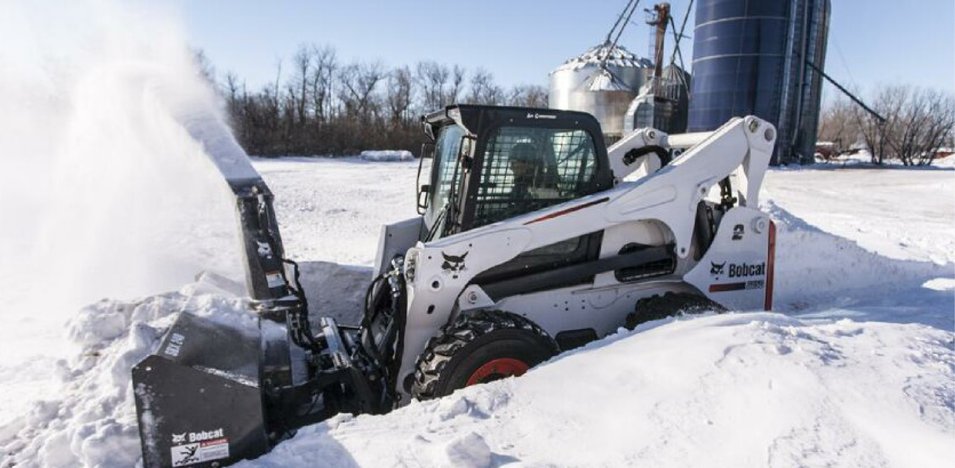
(529, 168)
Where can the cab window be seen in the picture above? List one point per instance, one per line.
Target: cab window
(529, 168)
(446, 149)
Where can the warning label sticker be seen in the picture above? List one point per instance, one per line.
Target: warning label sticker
(188, 454)
(274, 279)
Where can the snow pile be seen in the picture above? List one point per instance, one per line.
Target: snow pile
(387, 155)
(92, 420)
(820, 274)
(754, 389)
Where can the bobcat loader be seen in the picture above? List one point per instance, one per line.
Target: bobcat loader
(533, 238)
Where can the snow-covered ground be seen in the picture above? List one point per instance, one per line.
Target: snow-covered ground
(856, 368)
(107, 195)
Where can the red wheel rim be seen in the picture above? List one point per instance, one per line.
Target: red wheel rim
(498, 369)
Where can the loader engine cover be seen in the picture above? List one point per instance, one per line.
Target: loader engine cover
(198, 398)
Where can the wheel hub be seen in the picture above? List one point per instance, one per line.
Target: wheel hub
(497, 369)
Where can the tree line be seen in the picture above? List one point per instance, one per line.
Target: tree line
(320, 105)
(917, 123)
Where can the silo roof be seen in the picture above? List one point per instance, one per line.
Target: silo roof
(615, 55)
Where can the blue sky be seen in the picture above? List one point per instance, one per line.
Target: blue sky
(870, 42)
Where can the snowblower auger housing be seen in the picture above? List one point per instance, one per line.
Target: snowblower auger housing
(533, 238)
(214, 393)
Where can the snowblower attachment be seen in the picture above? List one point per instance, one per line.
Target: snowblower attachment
(217, 392)
(215, 369)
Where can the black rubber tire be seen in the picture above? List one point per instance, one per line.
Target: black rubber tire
(669, 305)
(473, 340)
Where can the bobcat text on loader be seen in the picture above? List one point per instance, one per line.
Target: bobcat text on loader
(534, 238)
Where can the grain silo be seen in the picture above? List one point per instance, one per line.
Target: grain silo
(602, 81)
(749, 57)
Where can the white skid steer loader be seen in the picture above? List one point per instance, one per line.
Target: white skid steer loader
(533, 239)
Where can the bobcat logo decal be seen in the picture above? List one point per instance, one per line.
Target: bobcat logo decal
(179, 438)
(716, 269)
(453, 263)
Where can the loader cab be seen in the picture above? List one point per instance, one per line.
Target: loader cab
(488, 164)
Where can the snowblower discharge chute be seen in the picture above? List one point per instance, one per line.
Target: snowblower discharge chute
(523, 212)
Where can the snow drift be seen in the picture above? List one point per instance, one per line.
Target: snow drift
(756, 389)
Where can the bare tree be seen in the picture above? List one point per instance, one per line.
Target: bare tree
(528, 96)
(839, 126)
(922, 127)
(888, 102)
(298, 88)
(432, 78)
(322, 77)
(917, 123)
(324, 107)
(456, 86)
(483, 90)
(359, 81)
(399, 94)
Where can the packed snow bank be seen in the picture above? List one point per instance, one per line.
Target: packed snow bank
(898, 213)
(822, 275)
(755, 389)
(387, 155)
(92, 419)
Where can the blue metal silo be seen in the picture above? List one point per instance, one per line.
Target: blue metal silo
(748, 58)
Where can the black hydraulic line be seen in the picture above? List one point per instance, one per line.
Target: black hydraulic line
(631, 156)
(846, 92)
(297, 319)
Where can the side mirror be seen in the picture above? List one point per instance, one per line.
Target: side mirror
(427, 153)
(423, 196)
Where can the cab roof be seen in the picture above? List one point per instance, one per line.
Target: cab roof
(474, 118)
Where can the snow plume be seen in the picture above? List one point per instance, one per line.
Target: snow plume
(102, 180)
(104, 191)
